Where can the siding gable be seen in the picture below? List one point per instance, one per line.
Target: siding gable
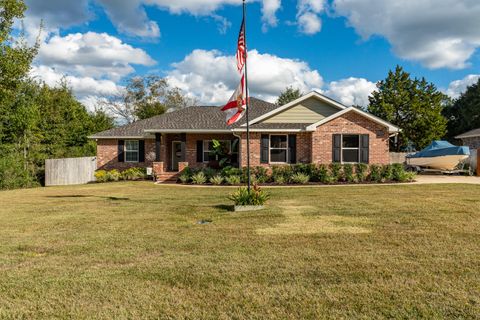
(308, 111)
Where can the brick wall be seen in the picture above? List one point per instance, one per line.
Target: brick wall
(107, 155)
(351, 123)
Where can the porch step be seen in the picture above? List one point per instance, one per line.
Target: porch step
(167, 177)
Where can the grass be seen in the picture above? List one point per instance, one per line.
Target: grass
(135, 250)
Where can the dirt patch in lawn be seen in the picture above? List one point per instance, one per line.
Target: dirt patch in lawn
(306, 220)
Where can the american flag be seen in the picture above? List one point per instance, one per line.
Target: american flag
(241, 54)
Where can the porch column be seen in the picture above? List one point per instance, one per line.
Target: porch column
(158, 142)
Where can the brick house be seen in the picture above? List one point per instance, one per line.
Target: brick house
(470, 139)
(311, 129)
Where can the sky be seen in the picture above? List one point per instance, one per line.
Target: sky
(340, 48)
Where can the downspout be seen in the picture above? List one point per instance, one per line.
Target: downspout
(239, 148)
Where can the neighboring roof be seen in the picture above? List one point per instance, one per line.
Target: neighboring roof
(391, 128)
(314, 94)
(470, 134)
(191, 119)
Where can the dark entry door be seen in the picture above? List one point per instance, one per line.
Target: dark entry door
(176, 154)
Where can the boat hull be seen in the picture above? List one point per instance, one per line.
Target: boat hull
(448, 162)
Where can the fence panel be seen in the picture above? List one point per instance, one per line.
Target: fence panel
(70, 171)
(397, 157)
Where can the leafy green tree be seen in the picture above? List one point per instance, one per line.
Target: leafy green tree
(414, 105)
(464, 113)
(288, 95)
(145, 97)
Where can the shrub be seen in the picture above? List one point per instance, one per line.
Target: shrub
(256, 196)
(387, 173)
(400, 174)
(231, 171)
(101, 176)
(279, 179)
(209, 172)
(216, 180)
(233, 180)
(375, 173)
(113, 175)
(184, 177)
(15, 172)
(299, 178)
(336, 171)
(283, 171)
(348, 173)
(261, 175)
(321, 174)
(199, 178)
(134, 174)
(361, 170)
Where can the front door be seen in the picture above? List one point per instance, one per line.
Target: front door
(176, 154)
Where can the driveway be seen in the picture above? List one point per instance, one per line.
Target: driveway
(424, 179)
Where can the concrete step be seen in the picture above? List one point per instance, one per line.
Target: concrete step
(167, 177)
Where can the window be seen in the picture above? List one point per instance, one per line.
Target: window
(131, 151)
(351, 148)
(208, 149)
(278, 148)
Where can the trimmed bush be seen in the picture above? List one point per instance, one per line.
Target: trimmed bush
(209, 172)
(101, 176)
(279, 179)
(216, 180)
(113, 175)
(336, 172)
(256, 196)
(376, 173)
(199, 178)
(231, 171)
(400, 174)
(184, 177)
(134, 174)
(348, 173)
(361, 170)
(233, 180)
(261, 175)
(300, 178)
(387, 173)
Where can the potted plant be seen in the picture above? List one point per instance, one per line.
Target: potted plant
(222, 154)
(245, 200)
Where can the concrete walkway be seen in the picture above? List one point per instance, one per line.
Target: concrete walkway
(425, 179)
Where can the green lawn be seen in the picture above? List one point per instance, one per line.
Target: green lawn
(135, 250)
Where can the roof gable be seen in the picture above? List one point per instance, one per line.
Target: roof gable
(391, 128)
(469, 134)
(309, 108)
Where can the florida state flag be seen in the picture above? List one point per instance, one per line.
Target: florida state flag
(237, 104)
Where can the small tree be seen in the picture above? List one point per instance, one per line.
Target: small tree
(464, 113)
(288, 95)
(414, 105)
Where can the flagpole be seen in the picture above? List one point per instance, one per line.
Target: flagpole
(246, 95)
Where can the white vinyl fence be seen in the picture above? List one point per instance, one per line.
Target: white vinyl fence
(70, 171)
(398, 157)
(473, 159)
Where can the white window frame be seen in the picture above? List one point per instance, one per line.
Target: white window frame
(270, 149)
(342, 148)
(126, 151)
(207, 142)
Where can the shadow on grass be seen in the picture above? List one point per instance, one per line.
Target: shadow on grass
(89, 196)
(224, 207)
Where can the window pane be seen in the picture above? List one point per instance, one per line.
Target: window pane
(278, 155)
(351, 141)
(131, 145)
(131, 156)
(278, 141)
(350, 155)
(234, 146)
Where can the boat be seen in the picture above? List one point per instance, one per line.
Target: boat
(439, 155)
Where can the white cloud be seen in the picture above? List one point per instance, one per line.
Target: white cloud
(437, 33)
(308, 19)
(211, 77)
(92, 54)
(457, 87)
(269, 10)
(351, 91)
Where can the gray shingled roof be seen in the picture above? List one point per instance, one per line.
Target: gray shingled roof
(471, 133)
(192, 118)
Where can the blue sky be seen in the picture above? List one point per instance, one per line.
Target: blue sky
(339, 47)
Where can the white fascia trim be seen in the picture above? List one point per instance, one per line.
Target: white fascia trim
(294, 102)
(120, 137)
(391, 127)
(186, 131)
(469, 136)
(267, 130)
